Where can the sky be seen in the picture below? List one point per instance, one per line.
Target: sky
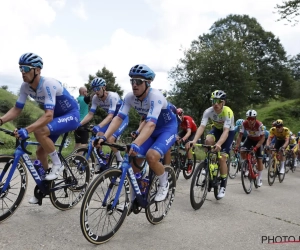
(76, 38)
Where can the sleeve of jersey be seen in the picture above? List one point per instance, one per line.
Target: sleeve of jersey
(112, 105)
(242, 129)
(188, 123)
(205, 117)
(125, 107)
(154, 111)
(22, 98)
(94, 104)
(50, 97)
(228, 119)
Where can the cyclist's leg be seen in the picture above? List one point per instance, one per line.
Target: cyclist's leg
(259, 157)
(278, 144)
(247, 145)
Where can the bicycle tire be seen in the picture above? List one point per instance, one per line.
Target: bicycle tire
(187, 174)
(272, 172)
(175, 164)
(92, 164)
(65, 198)
(11, 200)
(91, 205)
(202, 184)
(281, 176)
(244, 178)
(156, 215)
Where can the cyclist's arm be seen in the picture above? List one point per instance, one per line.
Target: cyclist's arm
(223, 137)
(269, 140)
(11, 114)
(286, 143)
(261, 141)
(87, 118)
(113, 126)
(145, 133)
(141, 126)
(199, 132)
(106, 120)
(46, 118)
(187, 135)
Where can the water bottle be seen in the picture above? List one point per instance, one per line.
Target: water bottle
(39, 168)
(67, 143)
(213, 169)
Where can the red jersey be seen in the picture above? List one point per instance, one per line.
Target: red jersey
(255, 132)
(188, 123)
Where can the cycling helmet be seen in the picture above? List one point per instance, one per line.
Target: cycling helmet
(98, 82)
(265, 128)
(251, 113)
(239, 122)
(164, 92)
(278, 123)
(31, 59)
(218, 94)
(179, 111)
(142, 71)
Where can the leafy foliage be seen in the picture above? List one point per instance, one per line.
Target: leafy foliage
(289, 10)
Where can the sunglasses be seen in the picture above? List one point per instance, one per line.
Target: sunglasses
(251, 119)
(25, 68)
(279, 126)
(137, 81)
(95, 89)
(214, 101)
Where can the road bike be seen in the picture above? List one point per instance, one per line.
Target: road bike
(107, 201)
(206, 177)
(274, 168)
(64, 192)
(249, 172)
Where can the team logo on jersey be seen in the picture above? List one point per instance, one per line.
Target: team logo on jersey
(66, 119)
(159, 101)
(49, 94)
(151, 107)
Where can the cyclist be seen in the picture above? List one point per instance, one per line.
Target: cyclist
(160, 127)
(237, 128)
(282, 138)
(61, 112)
(221, 134)
(255, 139)
(294, 147)
(110, 102)
(187, 133)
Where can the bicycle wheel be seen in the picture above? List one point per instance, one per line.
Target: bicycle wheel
(199, 186)
(280, 176)
(233, 165)
(98, 222)
(247, 182)
(272, 172)
(187, 173)
(157, 211)
(92, 161)
(175, 164)
(11, 199)
(70, 186)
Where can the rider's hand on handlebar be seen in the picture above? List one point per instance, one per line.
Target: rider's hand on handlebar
(267, 147)
(99, 141)
(190, 144)
(134, 134)
(217, 148)
(22, 133)
(96, 129)
(134, 149)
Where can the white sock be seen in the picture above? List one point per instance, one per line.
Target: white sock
(118, 155)
(259, 174)
(55, 159)
(163, 179)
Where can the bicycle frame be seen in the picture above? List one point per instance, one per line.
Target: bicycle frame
(251, 158)
(94, 149)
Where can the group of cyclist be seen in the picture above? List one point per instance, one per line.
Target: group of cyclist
(158, 129)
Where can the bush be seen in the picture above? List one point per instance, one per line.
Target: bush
(24, 119)
(5, 106)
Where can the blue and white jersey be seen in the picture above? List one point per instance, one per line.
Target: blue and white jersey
(154, 107)
(51, 94)
(111, 105)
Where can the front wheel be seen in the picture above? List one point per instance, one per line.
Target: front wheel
(199, 186)
(11, 198)
(175, 164)
(233, 166)
(272, 172)
(99, 221)
(188, 172)
(247, 182)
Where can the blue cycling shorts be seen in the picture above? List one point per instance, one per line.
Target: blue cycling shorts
(226, 146)
(160, 140)
(62, 124)
(119, 131)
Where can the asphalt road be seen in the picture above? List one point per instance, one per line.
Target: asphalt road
(238, 221)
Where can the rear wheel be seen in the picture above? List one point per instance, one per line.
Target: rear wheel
(91, 159)
(247, 182)
(157, 211)
(199, 186)
(233, 165)
(69, 188)
(11, 198)
(175, 164)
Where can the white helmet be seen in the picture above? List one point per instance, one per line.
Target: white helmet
(251, 113)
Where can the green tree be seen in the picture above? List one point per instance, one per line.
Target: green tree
(237, 56)
(289, 10)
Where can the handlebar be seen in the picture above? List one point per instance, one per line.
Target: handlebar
(209, 147)
(21, 142)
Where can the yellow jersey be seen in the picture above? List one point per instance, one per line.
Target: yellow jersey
(280, 135)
